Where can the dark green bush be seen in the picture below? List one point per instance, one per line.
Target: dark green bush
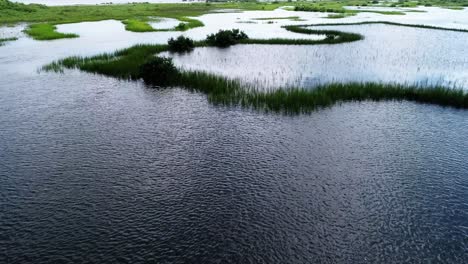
(180, 44)
(159, 71)
(181, 27)
(226, 38)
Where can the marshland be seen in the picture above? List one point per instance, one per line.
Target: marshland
(234, 132)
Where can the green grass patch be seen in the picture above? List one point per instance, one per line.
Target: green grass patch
(136, 25)
(332, 36)
(454, 7)
(292, 18)
(340, 15)
(17, 12)
(46, 31)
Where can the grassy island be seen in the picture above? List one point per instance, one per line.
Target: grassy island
(128, 64)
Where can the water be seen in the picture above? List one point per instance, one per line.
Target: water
(387, 54)
(93, 169)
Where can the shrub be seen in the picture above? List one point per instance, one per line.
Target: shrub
(181, 27)
(158, 70)
(226, 38)
(180, 44)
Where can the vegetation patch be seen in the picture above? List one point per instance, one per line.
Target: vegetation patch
(45, 31)
(332, 36)
(340, 15)
(158, 70)
(226, 38)
(391, 13)
(137, 25)
(385, 23)
(3, 40)
(16, 12)
(292, 18)
(139, 62)
(180, 44)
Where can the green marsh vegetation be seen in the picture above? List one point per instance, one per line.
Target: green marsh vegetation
(142, 25)
(44, 31)
(300, 27)
(3, 40)
(458, 4)
(141, 62)
(138, 25)
(226, 38)
(17, 12)
(332, 36)
(181, 44)
(292, 18)
(341, 10)
(340, 15)
(136, 15)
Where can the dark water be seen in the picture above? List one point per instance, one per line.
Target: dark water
(95, 170)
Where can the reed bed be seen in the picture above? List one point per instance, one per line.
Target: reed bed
(126, 64)
(385, 23)
(3, 40)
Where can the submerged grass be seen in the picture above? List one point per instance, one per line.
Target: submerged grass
(292, 18)
(46, 31)
(3, 40)
(340, 15)
(126, 64)
(332, 36)
(387, 23)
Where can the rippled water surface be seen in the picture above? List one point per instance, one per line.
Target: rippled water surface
(97, 170)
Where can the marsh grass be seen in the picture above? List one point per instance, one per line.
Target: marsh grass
(127, 64)
(16, 12)
(3, 40)
(340, 15)
(138, 25)
(390, 13)
(46, 31)
(385, 23)
(333, 36)
(292, 18)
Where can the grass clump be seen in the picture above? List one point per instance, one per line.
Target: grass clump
(294, 18)
(3, 40)
(46, 31)
(340, 15)
(381, 22)
(332, 36)
(180, 44)
(136, 25)
(226, 38)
